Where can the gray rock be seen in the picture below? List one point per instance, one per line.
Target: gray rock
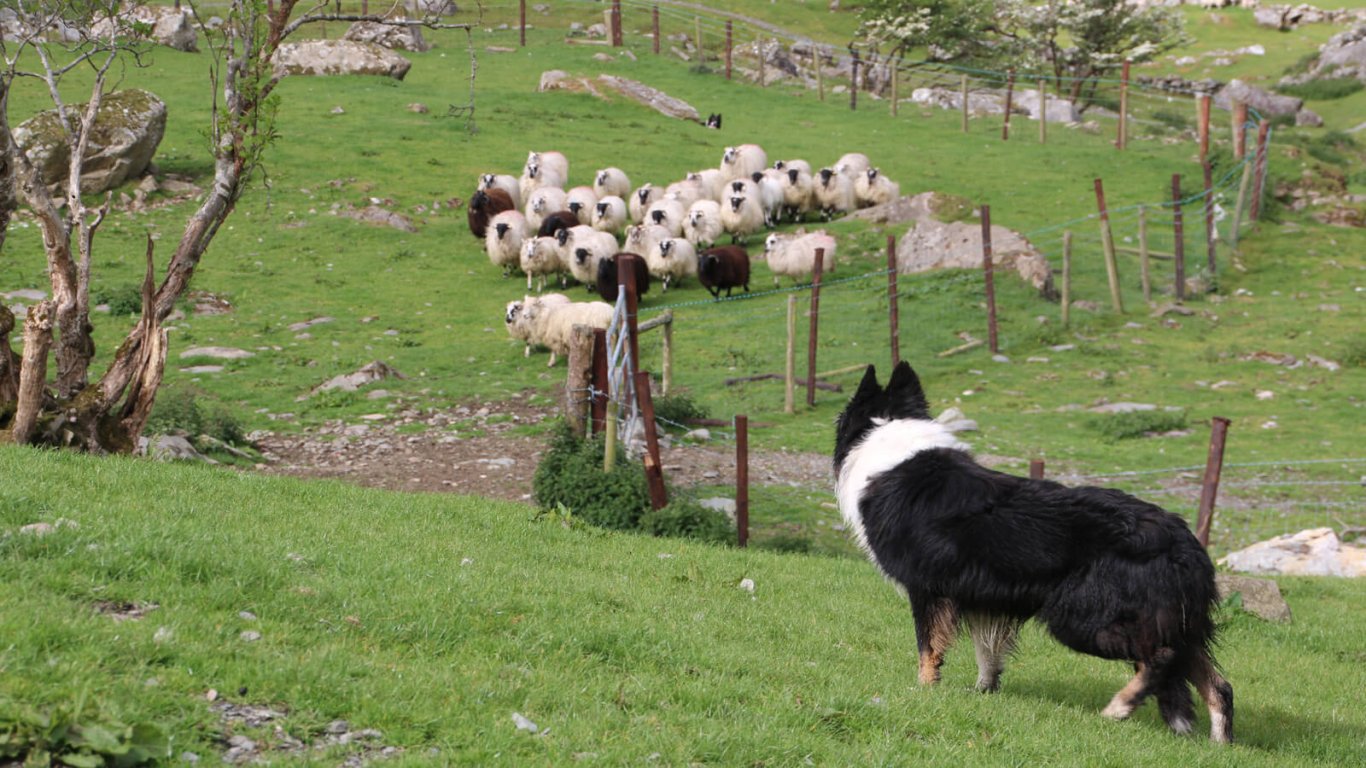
(171, 27)
(935, 245)
(196, 370)
(1308, 118)
(378, 216)
(1315, 552)
(1261, 597)
(1059, 110)
(218, 353)
(1265, 102)
(367, 374)
(174, 448)
(1122, 408)
(339, 57)
(393, 37)
(338, 727)
(720, 504)
(25, 294)
(701, 435)
(250, 636)
(128, 128)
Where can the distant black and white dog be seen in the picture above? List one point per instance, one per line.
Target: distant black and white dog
(1106, 573)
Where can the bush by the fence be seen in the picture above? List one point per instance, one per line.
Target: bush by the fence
(678, 409)
(1121, 426)
(571, 474)
(689, 520)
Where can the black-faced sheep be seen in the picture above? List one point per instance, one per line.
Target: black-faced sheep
(834, 193)
(723, 267)
(794, 256)
(798, 192)
(787, 165)
(873, 188)
(486, 204)
(543, 202)
(703, 223)
(640, 238)
(582, 248)
(742, 161)
(669, 214)
(672, 259)
(503, 240)
(609, 283)
(544, 169)
(641, 199)
(742, 216)
(611, 182)
(610, 214)
(553, 223)
(582, 201)
(505, 182)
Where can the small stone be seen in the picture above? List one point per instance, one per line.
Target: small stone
(238, 741)
(699, 435)
(1063, 347)
(747, 585)
(163, 635)
(1036, 360)
(37, 529)
(250, 636)
(337, 727)
(418, 108)
(189, 757)
(711, 474)
(1000, 358)
(246, 615)
(337, 110)
(1265, 394)
(523, 724)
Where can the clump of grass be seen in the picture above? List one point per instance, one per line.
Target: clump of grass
(1354, 353)
(1323, 90)
(1303, 64)
(189, 410)
(1123, 426)
(689, 520)
(1174, 120)
(123, 300)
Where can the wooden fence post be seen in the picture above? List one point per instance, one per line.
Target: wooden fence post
(892, 300)
(742, 480)
(578, 382)
(1036, 469)
(609, 441)
(1209, 220)
(895, 73)
(1066, 277)
(790, 371)
(1144, 266)
(626, 274)
(1209, 486)
(965, 103)
(1010, 93)
(654, 22)
(598, 408)
(1259, 174)
(1107, 242)
(820, 75)
(521, 21)
(728, 47)
(853, 82)
(666, 376)
(1122, 140)
(654, 471)
(616, 24)
(1179, 251)
(1202, 105)
(815, 327)
(1241, 205)
(990, 281)
(1239, 129)
(1043, 113)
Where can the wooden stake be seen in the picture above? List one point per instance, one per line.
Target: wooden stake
(1214, 465)
(598, 407)
(1066, 277)
(579, 378)
(1122, 141)
(1239, 129)
(521, 20)
(1043, 113)
(667, 375)
(1259, 179)
(728, 47)
(1144, 267)
(815, 326)
(32, 370)
(1243, 185)
(654, 471)
(896, 76)
(1107, 241)
(1202, 105)
(853, 84)
(654, 22)
(965, 103)
(1210, 241)
(1010, 93)
(1036, 469)
(892, 300)
(616, 24)
(742, 480)
(820, 75)
(990, 281)
(609, 443)
(790, 374)
(1179, 249)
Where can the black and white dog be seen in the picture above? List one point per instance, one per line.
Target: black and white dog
(1106, 573)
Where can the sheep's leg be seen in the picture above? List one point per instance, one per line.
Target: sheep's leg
(527, 352)
(528, 281)
(551, 364)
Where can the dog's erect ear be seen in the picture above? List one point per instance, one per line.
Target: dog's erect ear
(869, 386)
(907, 396)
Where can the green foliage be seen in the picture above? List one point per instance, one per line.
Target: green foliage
(123, 300)
(1174, 120)
(788, 543)
(67, 736)
(570, 475)
(189, 410)
(1303, 64)
(1122, 426)
(1323, 90)
(689, 520)
(1354, 354)
(678, 409)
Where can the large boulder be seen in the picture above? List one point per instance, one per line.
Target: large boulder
(128, 127)
(171, 27)
(430, 7)
(1315, 552)
(1059, 110)
(1344, 54)
(391, 36)
(1267, 103)
(933, 244)
(661, 102)
(339, 57)
(979, 102)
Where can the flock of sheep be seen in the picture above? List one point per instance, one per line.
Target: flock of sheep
(533, 224)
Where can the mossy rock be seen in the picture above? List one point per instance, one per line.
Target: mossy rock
(128, 128)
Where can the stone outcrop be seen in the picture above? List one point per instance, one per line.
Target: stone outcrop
(1267, 103)
(933, 244)
(171, 27)
(392, 36)
(339, 57)
(1315, 552)
(128, 127)
(661, 102)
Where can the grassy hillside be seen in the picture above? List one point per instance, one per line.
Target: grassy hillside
(434, 618)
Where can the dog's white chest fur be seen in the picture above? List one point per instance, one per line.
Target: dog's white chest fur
(884, 447)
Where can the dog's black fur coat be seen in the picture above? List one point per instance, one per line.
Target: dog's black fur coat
(1108, 574)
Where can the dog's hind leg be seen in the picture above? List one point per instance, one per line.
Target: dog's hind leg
(1132, 694)
(1218, 696)
(993, 638)
(936, 623)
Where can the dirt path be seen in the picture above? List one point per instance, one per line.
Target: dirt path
(469, 449)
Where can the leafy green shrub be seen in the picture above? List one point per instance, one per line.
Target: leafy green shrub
(64, 737)
(1121, 426)
(570, 474)
(187, 410)
(689, 520)
(1323, 90)
(788, 543)
(123, 300)
(678, 409)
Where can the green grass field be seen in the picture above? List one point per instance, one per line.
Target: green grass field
(433, 618)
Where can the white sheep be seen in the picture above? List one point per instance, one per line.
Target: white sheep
(685, 192)
(582, 248)
(503, 240)
(541, 257)
(873, 188)
(834, 193)
(795, 255)
(519, 315)
(542, 202)
(640, 238)
(611, 181)
(852, 164)
(554, 324)
(712, 181)
(505, 182)
(741, 216)
(769, 187)
(741, 162)
(641, 199)
(798, 191)
(668, 213)
(703, 223)
(609, 215)
(787, 165)
(582, 201)
(544, 169)
(671, 259)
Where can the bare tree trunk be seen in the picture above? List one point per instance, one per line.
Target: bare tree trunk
(33, 372)
(9, 364)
